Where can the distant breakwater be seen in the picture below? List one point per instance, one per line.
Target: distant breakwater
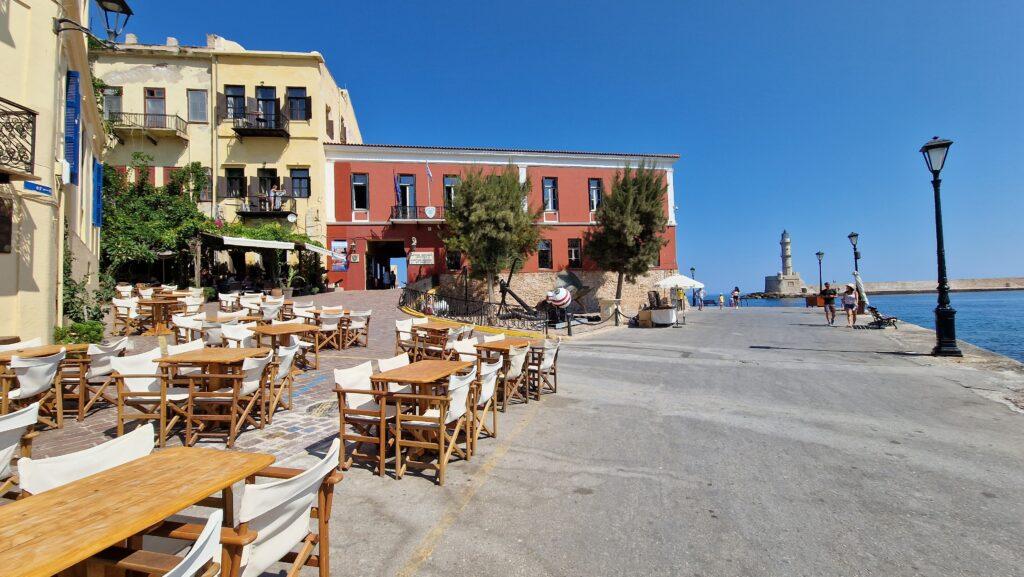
(956, 285)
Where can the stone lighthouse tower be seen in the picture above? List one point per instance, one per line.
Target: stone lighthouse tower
(786, 282)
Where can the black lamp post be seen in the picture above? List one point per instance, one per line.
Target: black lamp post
(693, 292)
(115, 17)
(934, 152)
(820, 256)
(856, 253)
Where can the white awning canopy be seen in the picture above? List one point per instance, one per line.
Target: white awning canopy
(679, 281)
(254, 243)
(325, 252)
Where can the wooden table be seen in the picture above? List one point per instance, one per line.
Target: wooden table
(9, 340)
(279, 331)
(42, 351)
(52, 531)
(438, 326)
(159, 307)
(222, 318)
(214, 356)
(504, 345)
(421, 373)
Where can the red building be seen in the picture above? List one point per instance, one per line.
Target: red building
(385, 196)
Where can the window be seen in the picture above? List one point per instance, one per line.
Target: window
(206, 194)
(550, 194)
(156, 108)
(594, 193)
(235, 178)
(544, 254)
(235, 98)
(267, 178)
(111, 101)
(266, 106)
(453, 260)
(407, 189)
(300, 182)
(298, 104)
(450, 183)
(197, 106)
(575, 253)
(360, 192)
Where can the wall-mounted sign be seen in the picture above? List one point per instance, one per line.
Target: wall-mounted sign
(29, 185)
(340, 248)
(421, 258)
(429, 211)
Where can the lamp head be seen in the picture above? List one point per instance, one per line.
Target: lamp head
(820, 255)
(853, 238)
(934, 152)
(115, 16)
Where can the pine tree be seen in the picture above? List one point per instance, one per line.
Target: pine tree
(490, 222)
(630, 222)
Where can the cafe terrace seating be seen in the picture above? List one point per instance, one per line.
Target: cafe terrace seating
(210, 402)
(142, 385)
(16, 436)
(36, 378)
(542, 369)
(513, 377)
(94, 374)
(362, 408)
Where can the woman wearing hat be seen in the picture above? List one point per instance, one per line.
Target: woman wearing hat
(850, 304)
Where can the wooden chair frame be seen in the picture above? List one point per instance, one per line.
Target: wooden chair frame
(538, 382)
(238, 407)
(371, 428)
(151, 406)
(428, 433)
(51, 401)
(24, 451)
(276, 390)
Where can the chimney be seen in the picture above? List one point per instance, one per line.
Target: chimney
(211, 40)
(131, 39)
(172, 41)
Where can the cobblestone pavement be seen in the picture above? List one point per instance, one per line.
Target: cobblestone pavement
(314, 415)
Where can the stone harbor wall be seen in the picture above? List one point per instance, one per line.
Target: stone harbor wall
(928, 286)
(533, 287)
(785, 284)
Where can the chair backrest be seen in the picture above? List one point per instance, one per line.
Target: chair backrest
(197, 293)
(35, 375)
(204, 551)
(466, 350)
(403, 329)
(124, 291)
(458, 394)
(516, 361)
(193, 304)
(488, 377)
(124, 307)
(286, 359)
(253, 369)
(36, 342)
(38, 475)
(464, 332)
(357, 377)
(550, 350)
(193, 345)
(274, 300)
(227, 297)
(140, 364)
(360, 314)
(270, 311)
(100, 355)
(329, 321)
(237, 335)
(297, 305)
(146, 293)
(391, 363)
(279, 513)
(169, 287)
(494, 338)
(12, 428)
(420, 320)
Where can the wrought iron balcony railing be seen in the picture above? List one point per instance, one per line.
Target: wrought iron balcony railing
(265, 123)
(17, 138)
(154, 123)
(417, 213)
(267, 206)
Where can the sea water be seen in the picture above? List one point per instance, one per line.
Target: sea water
(992, 320)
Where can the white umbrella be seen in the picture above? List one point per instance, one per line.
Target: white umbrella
(679, 281)
(860, 289)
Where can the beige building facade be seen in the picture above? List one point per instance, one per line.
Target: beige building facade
(258, 120)
(51, 143)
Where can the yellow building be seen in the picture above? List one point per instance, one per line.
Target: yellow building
(258, 119)
(51, 143)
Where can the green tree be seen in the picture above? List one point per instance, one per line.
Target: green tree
(630, 224)
(490, 222)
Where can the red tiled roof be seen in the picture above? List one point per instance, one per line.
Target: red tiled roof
(519, 150)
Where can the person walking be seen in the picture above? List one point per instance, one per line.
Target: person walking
(700, 299)
(850, 305)
(721, 301)
(736, 297)
(828, 297)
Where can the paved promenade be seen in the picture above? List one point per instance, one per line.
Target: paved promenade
(749, 442)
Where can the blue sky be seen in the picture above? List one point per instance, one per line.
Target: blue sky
(799, 115)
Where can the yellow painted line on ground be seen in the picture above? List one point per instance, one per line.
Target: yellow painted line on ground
(481, 328)
(426, 547)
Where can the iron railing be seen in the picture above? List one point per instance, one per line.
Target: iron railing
(17, 137)
(473, 311)
(253, 205)
(417, 213)
(265, 123)
(147, 120)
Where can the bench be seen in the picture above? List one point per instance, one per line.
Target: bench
(881, 321)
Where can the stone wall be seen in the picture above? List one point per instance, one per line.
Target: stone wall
(927, 286)
(533, 287)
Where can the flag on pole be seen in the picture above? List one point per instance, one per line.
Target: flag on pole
(398, 192)
(430, 175)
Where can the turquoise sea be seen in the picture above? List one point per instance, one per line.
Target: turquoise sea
(991, 320)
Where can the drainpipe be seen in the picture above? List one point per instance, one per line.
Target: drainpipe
(214, 128)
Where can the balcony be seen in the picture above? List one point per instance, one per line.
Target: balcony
(17, 141)
(265, 206)
(417, 214)
(152, 126)
(266, 123)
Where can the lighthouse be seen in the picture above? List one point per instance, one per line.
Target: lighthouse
(786, 282)
(787, 254)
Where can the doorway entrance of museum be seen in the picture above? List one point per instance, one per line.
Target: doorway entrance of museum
(385, 264)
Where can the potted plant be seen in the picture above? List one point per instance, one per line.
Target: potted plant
(289, 288)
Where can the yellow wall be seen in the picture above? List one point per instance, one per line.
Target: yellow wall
(33, 65)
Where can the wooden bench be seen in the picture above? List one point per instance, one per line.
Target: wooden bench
(881, 321)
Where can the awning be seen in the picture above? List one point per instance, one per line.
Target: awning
(254, 243)
(679, 281)
(325, 252)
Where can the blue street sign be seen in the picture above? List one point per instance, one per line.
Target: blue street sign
(38, 188)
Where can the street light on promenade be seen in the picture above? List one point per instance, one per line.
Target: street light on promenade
(856, 253)
(934, 152)
(820, 256)
(693, 275)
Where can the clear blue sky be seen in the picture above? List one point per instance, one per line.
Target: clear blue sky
(799, 115)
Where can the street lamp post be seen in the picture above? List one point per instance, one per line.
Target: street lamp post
(934, 152)
(693, 291)
(856, 253)
(820, 256)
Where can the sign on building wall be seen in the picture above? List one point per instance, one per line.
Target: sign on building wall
(339, 247)
(421, 258)
(72, 114)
